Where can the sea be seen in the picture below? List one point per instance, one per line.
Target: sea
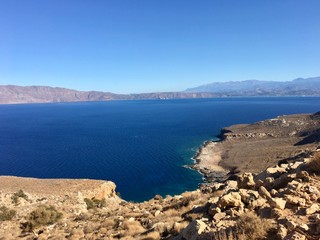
(142, 146)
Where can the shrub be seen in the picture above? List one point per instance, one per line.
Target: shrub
(6, 213)
(20, 194)
(95, 203)
(132, 228)
(314, 164)
(43, 215)
(250, 226)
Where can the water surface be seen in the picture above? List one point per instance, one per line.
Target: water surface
(140, 145)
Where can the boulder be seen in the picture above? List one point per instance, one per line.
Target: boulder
(246, 181)
(231, 185)
(260, 202)
(213, 209)
(232, 199)
(277, 203)
(248, 196)
(295, 165)
(264, 192)
(291, 225)
(312, 209)
(218, 216)
(276, 171)
(194, 230)
(282, 232)
(294, 200)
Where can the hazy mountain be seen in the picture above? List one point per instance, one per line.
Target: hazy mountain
(43, 94)
(299, 86)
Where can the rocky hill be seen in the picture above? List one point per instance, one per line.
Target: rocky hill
(279, 202)
(11, 94)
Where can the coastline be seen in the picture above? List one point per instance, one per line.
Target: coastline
(207, 161)
(254, 147)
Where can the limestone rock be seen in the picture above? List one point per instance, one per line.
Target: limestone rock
(213, 209)
(232, 199)
(218, 216)
(295, 236)
(304, 176)
(257, 203)
(277, 203)
(282, 232)
(246, 181)
(312, 209)
(291, 225)
(231, 185)
(161, 227)
(193, 230)
(304, 227)
(248, 196)
(264, 192)
(295, 200)
(276, 171)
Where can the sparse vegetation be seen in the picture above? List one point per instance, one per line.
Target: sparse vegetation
(132, 228)
(6, 213)
(17, 195)
(95, 203)
(314, 164)
(43, 215)
(250, 226)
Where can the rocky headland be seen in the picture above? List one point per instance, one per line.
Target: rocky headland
(255, 147)
(273, 193)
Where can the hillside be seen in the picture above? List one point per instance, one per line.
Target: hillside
(280, 202)
(296, 87)
(11, 94)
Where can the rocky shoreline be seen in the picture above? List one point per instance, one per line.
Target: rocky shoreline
(255, 147)
(207, 160)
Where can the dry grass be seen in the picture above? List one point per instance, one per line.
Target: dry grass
(17, 195)
(250, 226)
(151, 236)
(132, 228)
(95, 203)
(314, 164)
(178, 226)
(6, 213)
(43, 215)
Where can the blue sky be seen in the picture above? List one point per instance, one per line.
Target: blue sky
(131, 46)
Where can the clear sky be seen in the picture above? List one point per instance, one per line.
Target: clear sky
(130, 46)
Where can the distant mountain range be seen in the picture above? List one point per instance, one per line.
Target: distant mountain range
(296, 87)
(10, 94)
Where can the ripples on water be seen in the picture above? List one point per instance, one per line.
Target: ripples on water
(140, 145)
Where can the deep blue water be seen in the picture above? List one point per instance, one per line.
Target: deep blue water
(140, 145)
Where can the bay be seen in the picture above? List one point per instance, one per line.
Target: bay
(142, 146)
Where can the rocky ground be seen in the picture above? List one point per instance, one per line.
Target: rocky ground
(280, 202)
(254, 147)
